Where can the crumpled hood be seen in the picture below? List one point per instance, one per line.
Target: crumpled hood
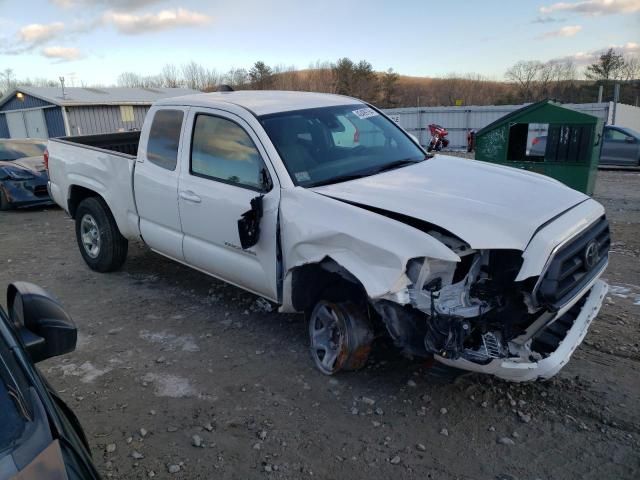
(33, 164)
(486, 205)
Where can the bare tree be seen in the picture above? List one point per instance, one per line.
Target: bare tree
(7, 80)
(129, 79)
(237, 78)
(524, 75)
(171, 76)
(319, 77)
(631, 69)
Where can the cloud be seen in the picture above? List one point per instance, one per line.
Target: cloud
(150, 22)
(37, 33)
(567, 31)
(64, 54)
(629, 49)
(546, 19)
(29, 37)
(593, 7)
(129, 4)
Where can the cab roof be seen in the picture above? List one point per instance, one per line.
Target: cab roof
(262, 102)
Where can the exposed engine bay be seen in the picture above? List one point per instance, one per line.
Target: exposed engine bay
(474, 309)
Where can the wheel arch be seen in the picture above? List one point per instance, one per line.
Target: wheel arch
(304, 284)
(77, 194)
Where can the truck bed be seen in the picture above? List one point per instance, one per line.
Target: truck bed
(125, 142)
(103, 164)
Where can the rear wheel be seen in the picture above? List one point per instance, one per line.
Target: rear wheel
(4, 203)
(101, 244)
(340, 336)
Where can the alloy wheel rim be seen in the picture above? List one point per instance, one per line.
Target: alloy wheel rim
(327, 338)
(90, 235)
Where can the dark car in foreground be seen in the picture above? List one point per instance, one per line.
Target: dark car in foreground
(620, 146)
(40, 437)
(23, 176)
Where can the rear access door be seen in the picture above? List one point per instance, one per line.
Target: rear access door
(156, 180)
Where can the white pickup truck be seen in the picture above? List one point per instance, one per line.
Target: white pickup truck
(323, 205)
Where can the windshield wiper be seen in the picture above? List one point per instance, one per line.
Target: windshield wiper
(394, 165)
(339, 179)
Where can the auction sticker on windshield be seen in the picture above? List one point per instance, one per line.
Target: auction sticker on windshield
(302, 176)
(363, 113)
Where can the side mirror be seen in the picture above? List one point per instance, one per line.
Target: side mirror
(629, 139)
(45, 329)
(249, 224)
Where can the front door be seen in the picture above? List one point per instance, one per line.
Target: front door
(223, 169)
(156, 181)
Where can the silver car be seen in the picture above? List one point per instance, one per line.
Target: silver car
(620, 146)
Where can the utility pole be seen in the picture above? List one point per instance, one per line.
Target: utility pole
(616, 99)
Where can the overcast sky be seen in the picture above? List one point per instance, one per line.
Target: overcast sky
(92, 41)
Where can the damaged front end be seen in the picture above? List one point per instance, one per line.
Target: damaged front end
(474, 315)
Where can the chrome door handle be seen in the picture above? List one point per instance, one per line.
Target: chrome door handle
(189, 196)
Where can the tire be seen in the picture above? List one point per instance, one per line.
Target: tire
(4, 203)
(340, 336)
(101, 244)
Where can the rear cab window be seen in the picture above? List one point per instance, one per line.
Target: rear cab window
(164, 138)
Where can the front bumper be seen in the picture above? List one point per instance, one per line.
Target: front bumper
(26, 193)
(521, 370)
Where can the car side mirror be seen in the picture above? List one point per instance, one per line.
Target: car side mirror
(249, 224)
(629, 139)
(44, 327)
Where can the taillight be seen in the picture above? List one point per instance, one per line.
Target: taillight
(45, 157)
(535, 141)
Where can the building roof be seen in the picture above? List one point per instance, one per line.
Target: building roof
(263, 102)
(77, 96)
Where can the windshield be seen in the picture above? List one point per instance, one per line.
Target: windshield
(327, 145)
(15, 149)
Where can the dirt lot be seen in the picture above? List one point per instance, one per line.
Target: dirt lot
(166, 353)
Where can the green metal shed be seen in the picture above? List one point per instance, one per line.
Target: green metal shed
(546, 138)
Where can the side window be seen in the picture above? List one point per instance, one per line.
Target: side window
(222, 150)
(615, 135)
(164, 138)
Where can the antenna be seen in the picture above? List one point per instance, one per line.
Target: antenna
(62, 83)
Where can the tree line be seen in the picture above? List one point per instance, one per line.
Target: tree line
(526, 81)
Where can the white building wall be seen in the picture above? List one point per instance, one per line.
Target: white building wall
(627, 116)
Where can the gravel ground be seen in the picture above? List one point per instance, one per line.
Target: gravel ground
(177, 375)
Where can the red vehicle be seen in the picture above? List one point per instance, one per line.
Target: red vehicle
(438, 138)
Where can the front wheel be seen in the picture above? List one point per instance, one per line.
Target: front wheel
(101, 244)
(340, 335)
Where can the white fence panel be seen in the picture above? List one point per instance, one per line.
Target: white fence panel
(460, 120)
